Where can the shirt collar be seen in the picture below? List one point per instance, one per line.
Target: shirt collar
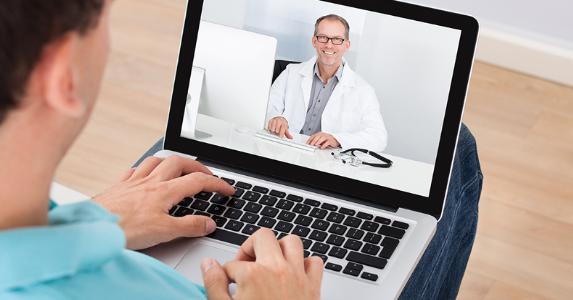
(79, 237)
(337, 75)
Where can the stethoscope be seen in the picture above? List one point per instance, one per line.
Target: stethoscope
(348, 157)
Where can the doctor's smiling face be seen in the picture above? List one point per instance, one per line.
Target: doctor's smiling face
(330, 41)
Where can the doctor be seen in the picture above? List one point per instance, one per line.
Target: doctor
(324, 98)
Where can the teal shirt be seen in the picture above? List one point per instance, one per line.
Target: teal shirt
(82, 255)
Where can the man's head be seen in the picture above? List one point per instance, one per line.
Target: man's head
(52, 55)
(331, 39)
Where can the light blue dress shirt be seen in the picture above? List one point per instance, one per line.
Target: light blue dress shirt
(82, 255)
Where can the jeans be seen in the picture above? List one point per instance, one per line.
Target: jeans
(439, 273)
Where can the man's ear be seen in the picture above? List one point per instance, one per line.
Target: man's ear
(59, 77)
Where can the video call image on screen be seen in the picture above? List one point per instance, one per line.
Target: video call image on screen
(269, 80)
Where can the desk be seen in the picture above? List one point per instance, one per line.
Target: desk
(405, 174)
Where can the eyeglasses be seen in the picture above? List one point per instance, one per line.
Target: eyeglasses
(324, 39)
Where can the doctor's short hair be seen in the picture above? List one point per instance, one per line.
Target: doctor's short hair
(26, 28)
(334, 17)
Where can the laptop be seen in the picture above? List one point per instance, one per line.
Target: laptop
(370, 224)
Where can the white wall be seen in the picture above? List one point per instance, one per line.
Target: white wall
(410, 64)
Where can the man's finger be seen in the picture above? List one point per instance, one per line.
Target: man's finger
(175, 166)
(282, 129)
(262, 246)
(126, 175)
(314, 268)
(311, 138)
(193, 226)
(215, 280)
(291, 246)
(146, 167)
(236, 270)
(288, 134)
(191, 184)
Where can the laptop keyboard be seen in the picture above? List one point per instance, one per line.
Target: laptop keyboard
(356, 239)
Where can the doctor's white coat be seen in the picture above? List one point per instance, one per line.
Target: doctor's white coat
(352, 114)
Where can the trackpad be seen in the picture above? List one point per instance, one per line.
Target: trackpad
(190, 264)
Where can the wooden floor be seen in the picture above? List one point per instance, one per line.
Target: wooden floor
(523, 125)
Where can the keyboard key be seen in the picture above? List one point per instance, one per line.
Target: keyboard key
(370, 249)
(234, 225)
(220, 199)
(354, 233)
(294, 198)
(220, 221)
(333, 267)
(236, 203)
(369, 226)
(335, 217)
(284, 226)
(329, 206)
(260, 189)
(232, 213)
(269, 211)
(281, 235)
(306, 253)
(365, 216)
(201, 213)
(320, 224)
(250, 229)
(200, 205)
(253, 207)
(318, 213)
(302, 209)
(337, 229)
(336, 240)
(285, 204)
(338, 252)
(303, 220)
(229, 181)
(311, 202)
(204, 195)
(216, 209)
(372, 261)
(238, 192)
(372, 238)
(353, 244)
(352, 222)
(392, 231)
(277, 194)
(250, 218)
(400, 225)
(186, 202)
(267, 222)
(382, 220)
(228, 236)
(347, 211)
(388, 246)
(369, 276)
(301, 231)
(268, 200)
(286, 216)
(320, 248)
(244, 185)
(173, 210)
(318, 235)
(306, 243)
(324, 257)
(251, 196)
(183, 211)
(353, 269)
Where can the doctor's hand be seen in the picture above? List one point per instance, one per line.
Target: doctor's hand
(279, 126)
(143, 197)
(323, 140)
(266, 269)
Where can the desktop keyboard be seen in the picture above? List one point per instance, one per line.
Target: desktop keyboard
(347, 240)
(296, 142)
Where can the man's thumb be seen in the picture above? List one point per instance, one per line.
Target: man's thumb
(215, 280)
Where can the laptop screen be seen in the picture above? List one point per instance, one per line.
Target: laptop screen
(302, 82)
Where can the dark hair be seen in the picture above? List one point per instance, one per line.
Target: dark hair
(335, 18)
(26, 28)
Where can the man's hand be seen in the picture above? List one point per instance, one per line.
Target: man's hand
(279, 126)
(266, 269)
(323, 140)
(144, 196)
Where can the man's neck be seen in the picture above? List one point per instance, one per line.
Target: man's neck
(29, 156)
(327, 72)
